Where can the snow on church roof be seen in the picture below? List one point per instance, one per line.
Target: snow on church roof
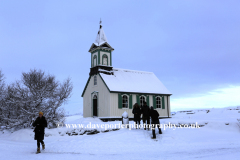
(124, 80)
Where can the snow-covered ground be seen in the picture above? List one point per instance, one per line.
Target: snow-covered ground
(218, 138)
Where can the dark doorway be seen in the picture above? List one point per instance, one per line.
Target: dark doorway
(95, 105)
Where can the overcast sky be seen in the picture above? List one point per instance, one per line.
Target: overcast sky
(192, 46)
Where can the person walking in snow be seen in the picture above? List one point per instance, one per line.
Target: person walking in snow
(155, 121)
(40, 123)
(137, 114)
(145, 111)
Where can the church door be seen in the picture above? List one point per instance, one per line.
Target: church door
(95, 105)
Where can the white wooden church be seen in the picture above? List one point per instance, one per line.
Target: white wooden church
(111, 91)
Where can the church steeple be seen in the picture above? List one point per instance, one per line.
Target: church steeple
(101, 51)
(101, 37)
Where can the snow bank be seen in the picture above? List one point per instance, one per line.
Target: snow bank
(219, 119)
(219, 138)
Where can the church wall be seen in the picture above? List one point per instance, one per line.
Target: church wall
(134, 99)
(115, 112)
(86, 105)
(150, 100)
(103, 98)
(168, 98)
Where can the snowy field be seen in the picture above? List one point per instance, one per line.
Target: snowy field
(217, 138)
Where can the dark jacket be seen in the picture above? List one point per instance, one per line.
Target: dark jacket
(39, 124)
(154, 115)
(137, 113)
(145, 111)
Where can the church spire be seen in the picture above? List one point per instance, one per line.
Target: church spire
(101, 37)
(101, 41)
(100, 23)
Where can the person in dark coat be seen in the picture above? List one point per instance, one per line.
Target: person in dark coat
(155, 122)
(145, 111)
(40, 123)
(137, 114)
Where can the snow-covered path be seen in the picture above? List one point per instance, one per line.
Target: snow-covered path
(186, 143)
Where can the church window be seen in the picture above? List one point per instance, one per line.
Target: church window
(105, 60)
(158, 102)
(94, 60)
(142, 99)
(95, 97)
(124, 101)
(95, 80)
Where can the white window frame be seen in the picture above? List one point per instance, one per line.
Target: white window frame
(145, 99)
(125, 103)
(160, 101)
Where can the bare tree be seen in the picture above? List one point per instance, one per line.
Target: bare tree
(2, 94)
(36, 92)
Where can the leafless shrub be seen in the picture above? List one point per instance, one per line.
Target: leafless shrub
(36, 92)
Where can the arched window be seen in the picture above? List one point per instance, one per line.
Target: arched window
(105, 60)
(94, 61)
(95, 80)
(142, 99)
(124, 101)
(158, 102)
(95, 97)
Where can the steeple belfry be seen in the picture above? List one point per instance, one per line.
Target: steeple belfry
(101, 51)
